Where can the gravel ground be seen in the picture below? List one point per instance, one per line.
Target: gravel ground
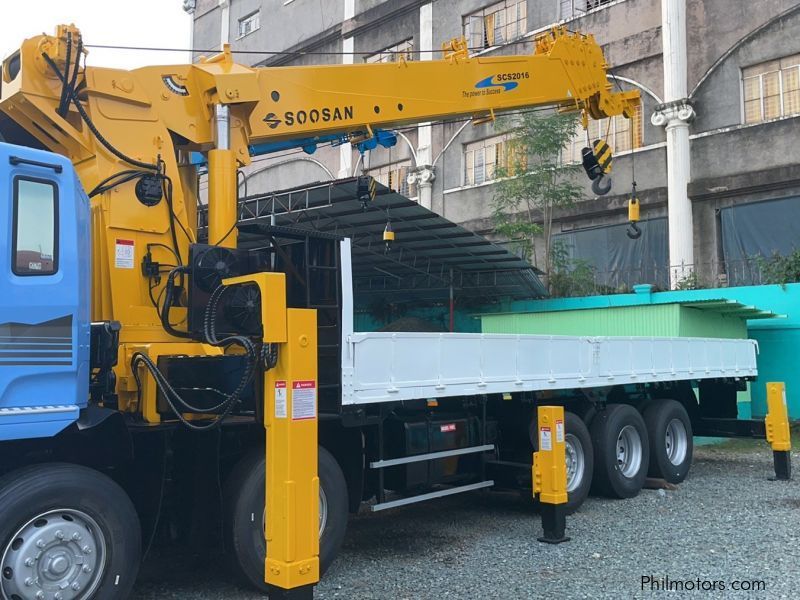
(726, 523)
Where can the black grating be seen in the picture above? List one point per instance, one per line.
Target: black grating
(430, 253)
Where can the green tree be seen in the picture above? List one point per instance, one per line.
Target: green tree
(534, 182)
(570, 276)
(778, 268)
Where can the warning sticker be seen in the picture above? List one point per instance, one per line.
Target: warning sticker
(448, 427)
(123, 255)
(545, 439)
(280, 399)
(559, 431)
(304, 400)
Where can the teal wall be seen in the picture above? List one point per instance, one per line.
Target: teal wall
(778, 339)
(464, 321)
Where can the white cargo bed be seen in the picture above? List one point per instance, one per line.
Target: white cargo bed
(386, 367)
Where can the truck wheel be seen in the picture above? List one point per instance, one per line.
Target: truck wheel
(621, 451)
(245, 517)
(580, 461)
(671, 442)
(66, 532)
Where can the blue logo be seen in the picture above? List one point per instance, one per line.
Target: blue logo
(488, 83)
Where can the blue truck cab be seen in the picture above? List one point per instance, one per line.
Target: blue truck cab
(44, 294)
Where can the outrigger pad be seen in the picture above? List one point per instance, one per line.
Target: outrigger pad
(554, 523)
(783, 465)
(304, 592)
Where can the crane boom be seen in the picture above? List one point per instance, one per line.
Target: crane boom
(114, 123)
(567, 71)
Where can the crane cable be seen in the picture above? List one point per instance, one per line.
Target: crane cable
(633, 231)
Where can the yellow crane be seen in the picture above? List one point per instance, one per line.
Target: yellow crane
(129, 135)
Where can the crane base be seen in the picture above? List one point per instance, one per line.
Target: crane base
(304, 592)
(783, 465)
(554, 523)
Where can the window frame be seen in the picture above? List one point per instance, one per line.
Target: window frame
(245, 18)
(396, 166)
(481, 145)
(576, 13)
(393, 50)
(759, 77)
(14, 225)
(521, 25)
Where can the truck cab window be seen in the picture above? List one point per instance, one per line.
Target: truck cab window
(35, 237)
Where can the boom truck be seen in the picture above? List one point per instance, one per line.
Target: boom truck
(141, 365)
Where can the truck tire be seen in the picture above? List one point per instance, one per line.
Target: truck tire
(671, 444)
(621, 451)
(244, 515)
(580, 459)
(65, 528)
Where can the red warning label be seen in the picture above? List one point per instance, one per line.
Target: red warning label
(545, 438)
(304, 400)
(448, 427)
(559, 431)
(124, 252)
(280, 399)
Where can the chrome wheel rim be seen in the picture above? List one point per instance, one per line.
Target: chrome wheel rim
(323, 513)
(57, 555)
(676, 441)
(576, 461)
(629, 451)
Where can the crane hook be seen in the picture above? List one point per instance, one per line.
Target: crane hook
(633, 231)
(601, 185)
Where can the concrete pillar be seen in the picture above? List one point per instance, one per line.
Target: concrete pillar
(348, 47)
(424, 174)
(225, 23)
(346, 150)
(675, 115)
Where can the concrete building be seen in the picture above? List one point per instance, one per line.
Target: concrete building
(713, 148)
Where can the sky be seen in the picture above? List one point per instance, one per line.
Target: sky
(151, 23)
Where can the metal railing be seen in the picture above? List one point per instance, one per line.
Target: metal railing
(575, 8)
(701, 275)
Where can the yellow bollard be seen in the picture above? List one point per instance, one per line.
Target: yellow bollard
(778, 434)
(550, 474)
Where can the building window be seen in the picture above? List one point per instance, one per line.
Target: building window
(576, 8)
(395, 177)
(481, 159)
(496, 24)
(249, 24)
(620, 134)
(402, 51)
(34, 234)
(771, 90)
